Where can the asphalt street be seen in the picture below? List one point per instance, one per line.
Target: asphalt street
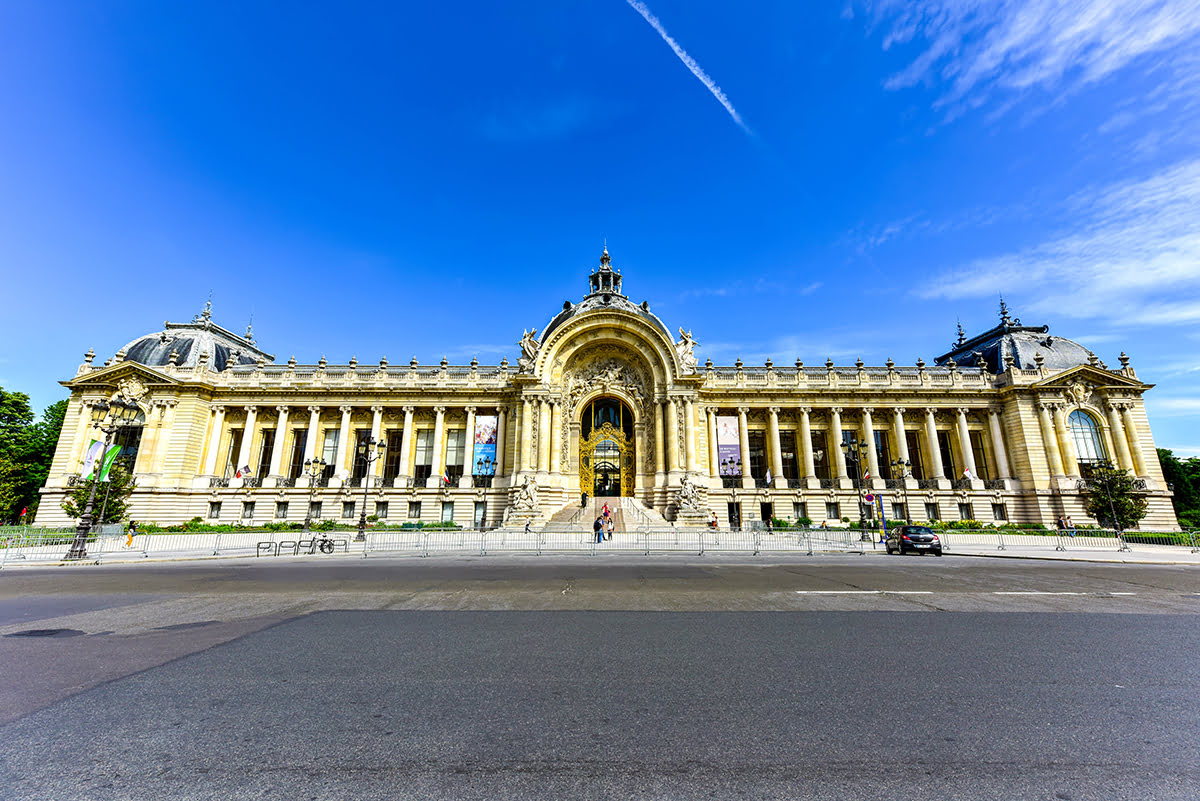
(841, 678)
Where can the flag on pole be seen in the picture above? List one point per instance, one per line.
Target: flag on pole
(25, 511)
(107, 463)
(768, 477)
(866, 475)
(967, 473)
(445, 476)
(89, 460)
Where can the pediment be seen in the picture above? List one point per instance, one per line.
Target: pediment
(1090, 377)
(130, 378)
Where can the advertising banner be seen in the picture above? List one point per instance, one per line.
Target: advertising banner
(484, 457)
(729, 446)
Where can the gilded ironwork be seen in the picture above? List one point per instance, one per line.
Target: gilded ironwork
(587, 461)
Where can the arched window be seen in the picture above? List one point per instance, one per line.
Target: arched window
(1089, 446)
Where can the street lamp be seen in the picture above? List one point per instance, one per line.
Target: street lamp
(108, 417)
(855, 452)
(314, 468)
(732, 468)
(905, 468)
(369, 450)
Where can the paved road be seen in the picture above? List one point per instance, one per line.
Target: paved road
(528, 679)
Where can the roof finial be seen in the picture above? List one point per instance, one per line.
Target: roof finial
(250, 329)
(962, 337)
(1004, 318)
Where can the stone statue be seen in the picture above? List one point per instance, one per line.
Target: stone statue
(688, 495)
(684, 348)
(527, 496)
(529, 349)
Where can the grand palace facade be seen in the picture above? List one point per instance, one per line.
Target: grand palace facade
(606, 400)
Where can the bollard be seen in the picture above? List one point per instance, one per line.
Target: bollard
(217, 545)
(482, 544)
(1000, 539)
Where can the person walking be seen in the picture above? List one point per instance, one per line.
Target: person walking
(1060, 524)
(1070, 526)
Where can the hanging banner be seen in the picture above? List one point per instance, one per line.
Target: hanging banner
(109, 459)
(89, 461)
(729, 446)
(484, 458)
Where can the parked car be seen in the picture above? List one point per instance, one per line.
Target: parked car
(914, 539)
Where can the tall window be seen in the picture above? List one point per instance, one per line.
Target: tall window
(424, 454)
(787, 451)
(235, 447)
(980, 453)
(758, 454)
(329, 450)
(391, 459)
(299, 439)
(883, 452)
(914, 454)
(1089, 447)
(264, 451)
(361, 435)
(821, 454)
(455, 448)
(129, 439)
(943, 438)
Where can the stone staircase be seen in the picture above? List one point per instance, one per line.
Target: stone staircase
(629, 514)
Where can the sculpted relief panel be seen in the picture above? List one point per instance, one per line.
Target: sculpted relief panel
(609, 369)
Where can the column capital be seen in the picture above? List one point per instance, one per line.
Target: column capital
(345, 409)
(898, 410)
(961, 411)
(867, 410)
(282, 409)
(470, 409)
(408, 409)
(995, 411)
(930, 411)
(376, 409)
(743, 409)
(712, 410)
(804, 410)
(439, 410)
(835, 410)
(216, 409)
(250, 409)
(774, 410)
(314, 409)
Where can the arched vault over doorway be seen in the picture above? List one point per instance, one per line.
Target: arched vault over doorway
(607, 448)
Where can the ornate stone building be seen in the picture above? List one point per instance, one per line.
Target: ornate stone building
(606, 400)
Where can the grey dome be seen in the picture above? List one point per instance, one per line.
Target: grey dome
(1021, 342)
(188, 340)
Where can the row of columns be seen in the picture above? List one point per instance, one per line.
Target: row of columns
(866, 433)
(1061, 456)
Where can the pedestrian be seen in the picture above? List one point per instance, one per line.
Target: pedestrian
(598, 528)
(131, 533)
(1060, 524)
(1070, 524)
(583, 501)
(713, 522)
(528, 523)
(609, 529)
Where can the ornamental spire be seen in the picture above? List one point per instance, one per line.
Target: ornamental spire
(1005, 319)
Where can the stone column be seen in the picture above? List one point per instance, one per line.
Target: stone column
(376, 426)
(439, 447)
(672, 437)
(1067, 447)
(543, 454)
(744, 446)
(343, 446)
(406, 444)
(998, 449)
(501, 425)
(689, 436)
(1053, 457)
(714, 460)
(214, 441)
(776, 448)
(314, 428)
(280, 436)
(660, 444)
(1120, 442)
(810, 466)
(524, 463)
(931, 443)
(556, 437)
(868, 435)
(1135, 445)
(964, 443)
(900, 434)
(835, 431)
(469, 446)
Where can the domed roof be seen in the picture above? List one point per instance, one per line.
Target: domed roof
(1020, 342)
(605, 285)
(188, 340)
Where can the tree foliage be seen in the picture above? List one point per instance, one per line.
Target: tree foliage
(1112, 497)
(1184, 476)
(26, 451)
(112, 496)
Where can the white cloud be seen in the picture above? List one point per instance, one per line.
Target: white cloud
(1132, 257)
(690, 63)
(1173, 407)
(973, 51)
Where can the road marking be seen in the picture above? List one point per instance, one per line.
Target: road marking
(1036, 592)
(864, 592)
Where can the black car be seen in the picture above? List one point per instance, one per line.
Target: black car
(914, 539)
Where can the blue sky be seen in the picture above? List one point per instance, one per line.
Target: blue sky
(785, 179)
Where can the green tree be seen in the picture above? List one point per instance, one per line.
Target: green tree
(1112, 497)
(26, 451)
(112, 496)
(1184, 476)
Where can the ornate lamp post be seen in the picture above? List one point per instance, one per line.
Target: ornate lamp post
(314, 468)
(905, 468)
(108, 417)
(855, 453)
(732, 468)
(369, 450)
(484, 468)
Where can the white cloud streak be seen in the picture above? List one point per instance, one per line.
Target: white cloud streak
(1132, 256)
(976, 50)
(690, 63)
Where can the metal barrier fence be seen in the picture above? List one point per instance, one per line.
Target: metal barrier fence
(112, 544)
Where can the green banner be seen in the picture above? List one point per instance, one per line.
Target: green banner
(107, 464)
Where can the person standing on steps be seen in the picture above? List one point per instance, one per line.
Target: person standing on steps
(598, 529)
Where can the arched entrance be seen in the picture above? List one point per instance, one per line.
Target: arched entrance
(606, 449)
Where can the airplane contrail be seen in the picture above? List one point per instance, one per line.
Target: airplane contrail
(689, 62)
